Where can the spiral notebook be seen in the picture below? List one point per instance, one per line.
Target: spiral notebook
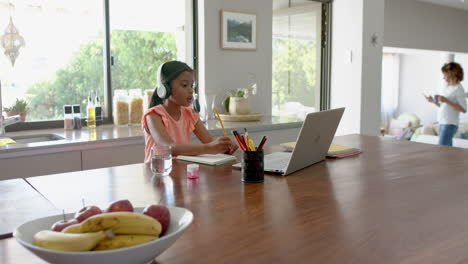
(209, 159)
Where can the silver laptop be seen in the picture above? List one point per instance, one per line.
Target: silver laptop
(312, 144)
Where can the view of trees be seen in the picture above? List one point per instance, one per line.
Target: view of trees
(294, 72)
(137, 55)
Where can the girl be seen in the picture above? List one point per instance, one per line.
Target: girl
(170, 120)
(451, 103)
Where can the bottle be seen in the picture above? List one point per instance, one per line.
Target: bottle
(98, 110)
(76, 117)
(68, 117)
(91, 112)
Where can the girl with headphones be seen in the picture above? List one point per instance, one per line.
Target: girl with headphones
(170, 119)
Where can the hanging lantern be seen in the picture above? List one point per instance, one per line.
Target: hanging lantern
(12, 41)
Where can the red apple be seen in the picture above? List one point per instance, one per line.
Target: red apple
(60, 225)
(87, 212)
(119, 206)
(160, 213)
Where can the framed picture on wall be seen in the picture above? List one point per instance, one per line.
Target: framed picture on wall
(238, 30)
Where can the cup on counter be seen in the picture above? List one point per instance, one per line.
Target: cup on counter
(161, 160)
(208, 107)
(252, 166)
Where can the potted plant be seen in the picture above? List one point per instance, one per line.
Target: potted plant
(19, 108)
(236, 102)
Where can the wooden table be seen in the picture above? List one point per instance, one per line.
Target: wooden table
(397, 202)
(20, 202)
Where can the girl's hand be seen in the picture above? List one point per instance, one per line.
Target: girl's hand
(233, 148)
(220, 145)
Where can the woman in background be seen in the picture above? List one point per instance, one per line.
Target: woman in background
(451, 102)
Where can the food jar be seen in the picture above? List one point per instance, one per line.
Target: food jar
(120, 107)
(136, 106)
(148, 94)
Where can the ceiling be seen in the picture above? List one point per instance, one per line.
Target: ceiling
(460, 4)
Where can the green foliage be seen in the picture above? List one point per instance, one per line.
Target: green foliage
(19, 107)
(137, 55)
(294, 72)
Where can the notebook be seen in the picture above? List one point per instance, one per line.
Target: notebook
(209, 159)
(313, 142)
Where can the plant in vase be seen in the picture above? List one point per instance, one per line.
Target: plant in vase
(236, 102)
(19, 108)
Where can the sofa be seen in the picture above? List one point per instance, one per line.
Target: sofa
(429, 134)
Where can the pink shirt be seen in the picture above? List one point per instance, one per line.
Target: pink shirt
(179, 130)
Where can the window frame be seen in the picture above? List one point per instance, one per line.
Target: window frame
(107, 64)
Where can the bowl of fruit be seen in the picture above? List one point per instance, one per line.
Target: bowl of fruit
(118, 234)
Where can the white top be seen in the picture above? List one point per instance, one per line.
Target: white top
(447, 115)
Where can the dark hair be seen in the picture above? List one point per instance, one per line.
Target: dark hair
(454, 71)
(169, 71)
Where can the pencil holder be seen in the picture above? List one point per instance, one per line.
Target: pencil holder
(252, 166)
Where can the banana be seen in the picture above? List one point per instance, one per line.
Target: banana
(67, 242)
(122, 241)
(93, 224)
(121, 223)
(76, 228)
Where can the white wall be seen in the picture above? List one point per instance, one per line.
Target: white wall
(357, 64)
(418, 25)
(224, 70)
(419, 73)
(355, 85)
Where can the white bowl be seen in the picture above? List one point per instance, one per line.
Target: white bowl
(181, 218)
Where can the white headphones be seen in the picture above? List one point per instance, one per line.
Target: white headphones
(163, 91)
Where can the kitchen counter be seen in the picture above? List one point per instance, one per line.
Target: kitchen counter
(111, 135)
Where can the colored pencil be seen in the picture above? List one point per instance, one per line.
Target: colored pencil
(260, 147)
(220, 122)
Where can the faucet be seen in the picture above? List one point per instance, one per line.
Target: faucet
(4, 122)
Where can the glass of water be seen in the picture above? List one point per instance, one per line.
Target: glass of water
(161, 160)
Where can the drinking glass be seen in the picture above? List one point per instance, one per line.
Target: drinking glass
(161, 160)
(209, 106)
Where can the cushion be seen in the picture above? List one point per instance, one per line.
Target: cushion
(416, 133)
(407, 133)
(463, 129)
(429, 130)
(397, 127)
(411, 118)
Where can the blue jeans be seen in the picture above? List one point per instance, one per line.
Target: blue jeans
(446, 133)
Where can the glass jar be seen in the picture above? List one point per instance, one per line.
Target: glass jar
(120, 107)
(148, 94)
(136, 106)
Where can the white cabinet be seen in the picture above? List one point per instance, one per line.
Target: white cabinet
(42, 164)
(112, 156)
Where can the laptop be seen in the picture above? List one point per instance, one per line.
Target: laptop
(312, 144)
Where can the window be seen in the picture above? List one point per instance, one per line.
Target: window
(143, 36)
(390, 87)
(297, 31)
(64, 59)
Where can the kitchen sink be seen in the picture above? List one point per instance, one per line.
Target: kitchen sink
(36, 138)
